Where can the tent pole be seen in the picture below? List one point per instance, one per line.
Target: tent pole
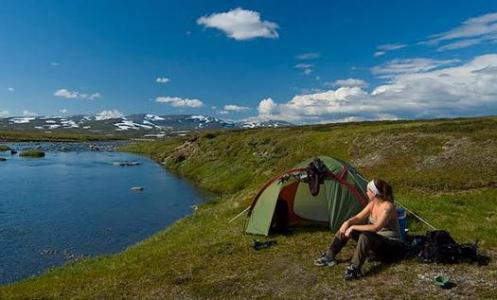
(239, 215)
(418, 217)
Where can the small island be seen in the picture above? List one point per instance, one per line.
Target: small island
(32, 153)
(4, 148)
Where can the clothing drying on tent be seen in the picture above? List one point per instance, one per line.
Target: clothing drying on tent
(324, 190)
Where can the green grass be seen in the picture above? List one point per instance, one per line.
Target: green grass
(32, 153)
(444, 170)
(4, 148)
(22, 136)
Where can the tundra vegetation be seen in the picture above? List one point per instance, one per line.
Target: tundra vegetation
(32, 153)
(444, 170)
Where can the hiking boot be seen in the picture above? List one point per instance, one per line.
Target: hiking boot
(325, 261)
(352, 272)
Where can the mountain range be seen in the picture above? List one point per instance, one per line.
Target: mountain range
(139, 125)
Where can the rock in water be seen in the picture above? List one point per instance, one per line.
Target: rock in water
(137, 188)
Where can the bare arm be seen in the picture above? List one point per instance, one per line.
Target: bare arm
(381, 222)
(362, 215)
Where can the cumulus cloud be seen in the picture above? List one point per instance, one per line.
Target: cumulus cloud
(4, 113)
(65, 93)
(472, 31)
(308, 56)
(235, 108)
(240, 24)
(350, 82)
(180, 102)
(108, 114)
(383, 49)
(162, 79)
(464, 89)
(411, 65)
(11, 89)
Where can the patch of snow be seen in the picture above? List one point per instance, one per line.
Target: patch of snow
(39, 127)
(126, 124)
(22, 120)
(200, 118)
(50, 121)
(69, 123)
(152, 117)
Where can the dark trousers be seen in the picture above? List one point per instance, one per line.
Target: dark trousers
(382, 247)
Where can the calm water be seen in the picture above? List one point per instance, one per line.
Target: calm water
(70, 205)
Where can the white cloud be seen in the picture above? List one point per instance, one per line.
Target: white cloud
(379, 53)
(108, 114)
(65, 93)
(4, 113)
(308, 56)
(240, 24)
(28, 113)
(266, 107)
(63, 111)
(223, 112)
(11, 89)
(236, 108)
(162, 79)
(306, 68)
(471, 32)
(180, 102)
(411, 65)
(462, 90)
(350, 82)
(383, 49)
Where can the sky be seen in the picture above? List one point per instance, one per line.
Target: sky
(299, 61)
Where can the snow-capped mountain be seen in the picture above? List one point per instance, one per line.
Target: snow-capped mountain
(132, 125)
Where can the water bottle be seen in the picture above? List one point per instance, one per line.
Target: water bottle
(401, 215)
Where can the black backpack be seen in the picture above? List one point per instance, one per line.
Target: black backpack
(440, 247)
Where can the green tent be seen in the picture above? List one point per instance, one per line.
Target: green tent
(342, 194)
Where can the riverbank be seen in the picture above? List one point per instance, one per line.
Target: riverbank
(40, 136)
(445, 170)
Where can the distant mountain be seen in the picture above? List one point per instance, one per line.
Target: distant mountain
(144, 125)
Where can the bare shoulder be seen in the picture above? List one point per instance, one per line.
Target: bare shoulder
(387, 206)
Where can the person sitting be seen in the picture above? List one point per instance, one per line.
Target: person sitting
(380, 235)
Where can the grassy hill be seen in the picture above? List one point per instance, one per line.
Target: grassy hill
(445, 170)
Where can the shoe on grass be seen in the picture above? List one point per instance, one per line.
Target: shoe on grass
(325, 261)
(352, 272)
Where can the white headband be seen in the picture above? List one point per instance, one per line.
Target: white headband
(372, 187)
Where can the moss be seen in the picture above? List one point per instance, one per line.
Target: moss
(32, 153)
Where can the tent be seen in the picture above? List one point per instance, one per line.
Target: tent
(287, 198)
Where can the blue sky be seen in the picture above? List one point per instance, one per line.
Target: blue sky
(302, 61)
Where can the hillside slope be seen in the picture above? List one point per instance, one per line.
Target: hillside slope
(445, 170)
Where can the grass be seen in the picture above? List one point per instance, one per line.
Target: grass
(4, 148)
(35, 136)
(32, 153)
(444, 170)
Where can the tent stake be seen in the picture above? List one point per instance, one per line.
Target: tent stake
(237, 216)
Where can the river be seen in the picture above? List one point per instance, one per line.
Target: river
(71, 205)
